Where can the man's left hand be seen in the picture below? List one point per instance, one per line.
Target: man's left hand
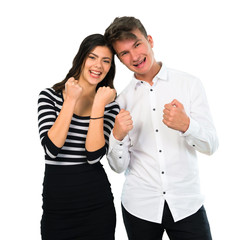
(175, 117)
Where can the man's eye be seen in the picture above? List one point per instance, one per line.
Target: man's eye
(123, 54)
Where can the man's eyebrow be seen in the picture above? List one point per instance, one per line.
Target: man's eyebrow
(124, 51)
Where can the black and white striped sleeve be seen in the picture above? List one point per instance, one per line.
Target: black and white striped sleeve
(111, 110)
(46, 118)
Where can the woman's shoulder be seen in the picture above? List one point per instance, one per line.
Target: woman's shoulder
(112, 107)
(50, 93)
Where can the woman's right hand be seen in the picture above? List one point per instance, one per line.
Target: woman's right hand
(59, 130)
(72, 89)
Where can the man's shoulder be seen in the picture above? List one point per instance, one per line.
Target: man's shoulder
(181, 76)
(126, 94)
(180, 73)
(128, 89)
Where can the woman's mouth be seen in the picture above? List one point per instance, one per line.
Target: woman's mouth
(95, 74)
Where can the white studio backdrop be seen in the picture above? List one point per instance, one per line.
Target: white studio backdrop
(39, 40)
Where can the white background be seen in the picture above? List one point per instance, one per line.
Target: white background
(39, 40)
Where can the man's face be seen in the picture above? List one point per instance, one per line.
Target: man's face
(136, 54)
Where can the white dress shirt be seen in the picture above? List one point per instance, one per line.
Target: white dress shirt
(161, 163)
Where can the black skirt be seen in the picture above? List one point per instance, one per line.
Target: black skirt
(77, 203)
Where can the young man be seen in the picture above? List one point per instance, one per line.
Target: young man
(164, 120)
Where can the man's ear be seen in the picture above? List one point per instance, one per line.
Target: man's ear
(150, 40)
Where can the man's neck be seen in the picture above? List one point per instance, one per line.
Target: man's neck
(148, 77)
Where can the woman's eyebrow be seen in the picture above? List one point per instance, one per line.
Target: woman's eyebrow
(98, 56)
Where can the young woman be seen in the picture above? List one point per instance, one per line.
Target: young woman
(75, 119)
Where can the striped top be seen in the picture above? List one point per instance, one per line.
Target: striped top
(73, 151)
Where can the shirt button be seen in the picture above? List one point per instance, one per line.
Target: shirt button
(151, 90)
(141, 81)
(120, 144)
(156, 130)
(164, 192)
(120, 157)
(160, 150)
(193, 145)
(162, 172)
(154, 109)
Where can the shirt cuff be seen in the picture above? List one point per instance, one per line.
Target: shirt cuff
(50, 148)
(114, 143)
(96, 155)
(193, 129)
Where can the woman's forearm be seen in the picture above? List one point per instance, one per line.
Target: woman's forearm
(95, 136)
(58, 132)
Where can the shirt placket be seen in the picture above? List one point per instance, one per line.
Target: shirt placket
(160, 150)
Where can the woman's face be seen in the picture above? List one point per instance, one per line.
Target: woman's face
(97, 65)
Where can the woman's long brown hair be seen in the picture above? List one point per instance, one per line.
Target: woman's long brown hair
(87, 45)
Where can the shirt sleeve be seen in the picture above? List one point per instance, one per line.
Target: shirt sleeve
(201, 133)
(46, 118)
(111, 110)
(118, 155)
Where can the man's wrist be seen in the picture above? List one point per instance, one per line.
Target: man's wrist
(186, 125)
(116, 136)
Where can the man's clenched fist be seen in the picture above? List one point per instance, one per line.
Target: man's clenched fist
(123, 124)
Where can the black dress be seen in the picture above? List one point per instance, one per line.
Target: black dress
(77, 197)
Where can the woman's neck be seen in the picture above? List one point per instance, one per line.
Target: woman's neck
(84, 104)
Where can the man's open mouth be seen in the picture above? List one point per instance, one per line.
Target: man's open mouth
(139, 64)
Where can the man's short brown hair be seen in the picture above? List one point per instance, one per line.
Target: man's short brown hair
(121, 28)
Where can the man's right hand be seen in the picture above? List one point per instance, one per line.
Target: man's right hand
(123, 124)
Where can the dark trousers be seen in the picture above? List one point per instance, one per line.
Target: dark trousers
(194, 227)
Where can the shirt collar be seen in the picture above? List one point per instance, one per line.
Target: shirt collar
(161, 75)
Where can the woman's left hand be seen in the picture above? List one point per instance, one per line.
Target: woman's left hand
(105, 95)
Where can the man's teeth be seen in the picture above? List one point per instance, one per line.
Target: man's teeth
(139, 63)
